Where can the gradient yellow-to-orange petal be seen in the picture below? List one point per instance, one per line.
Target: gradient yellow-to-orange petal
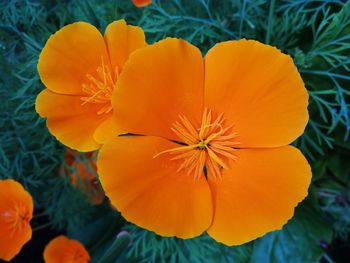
(108, 129)
(258, 193)
(69, 121)
(259, 90)
(158, 83)
(61, 250)
(69, 54)
(149, 192)
(121, 40)
(16, 211)
(141, 3)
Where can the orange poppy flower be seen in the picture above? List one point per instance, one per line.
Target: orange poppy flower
(141, 3)
(61, 249)
(16, 211)
(84, 175)
(215, 156)
(80, 69)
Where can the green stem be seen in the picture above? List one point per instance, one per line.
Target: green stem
(329, 260)
(40, 214)
(42, 226)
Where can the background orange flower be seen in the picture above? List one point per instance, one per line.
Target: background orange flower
(16, 211)
(80, 69)
(61, 249)
(141, 3)
(234, 113)
(83, 174)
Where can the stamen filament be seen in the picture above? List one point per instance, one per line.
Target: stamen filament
(189, 127)
(177, 149)
(214, 135)
(100, 89)
(216, 158)
(224, 153)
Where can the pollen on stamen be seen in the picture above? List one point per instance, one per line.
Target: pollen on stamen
(211, 145)
(100, 88)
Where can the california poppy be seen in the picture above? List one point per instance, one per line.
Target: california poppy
(61, 249)
(82, 173)
(215, 154)
(80, 69)
(141, 3)
(16, 211)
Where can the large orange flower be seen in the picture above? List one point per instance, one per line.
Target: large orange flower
(61, 250)
(16, 211)
(215, 154)
(80, 69)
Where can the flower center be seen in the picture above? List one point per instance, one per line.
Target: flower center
(18, 217)
(100, 89)
(209, 146)
(79, 257)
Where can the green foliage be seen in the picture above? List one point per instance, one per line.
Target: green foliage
(316, 33)
(307, 229)
(149, 247)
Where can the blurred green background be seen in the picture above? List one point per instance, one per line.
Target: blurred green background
(316, 33)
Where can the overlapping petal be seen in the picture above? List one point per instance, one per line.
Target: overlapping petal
(107, 129)
(159, 83)
(260, 91)
(258, 193)
(121, 40)
(71, 122)
(149, 191)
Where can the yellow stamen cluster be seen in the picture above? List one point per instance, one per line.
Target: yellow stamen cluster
(207, 146)
(100, 89)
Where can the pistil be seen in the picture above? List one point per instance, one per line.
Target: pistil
(18, 217)
(211, 145)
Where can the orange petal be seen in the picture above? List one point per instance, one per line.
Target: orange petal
(158, 83)
(107, 130)
(260, 91)
(258, 193)
(121, 40)
(141, 3)
(149, 192)
(69, 54)
(69, 121)
(16, 211)
(61, 249)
